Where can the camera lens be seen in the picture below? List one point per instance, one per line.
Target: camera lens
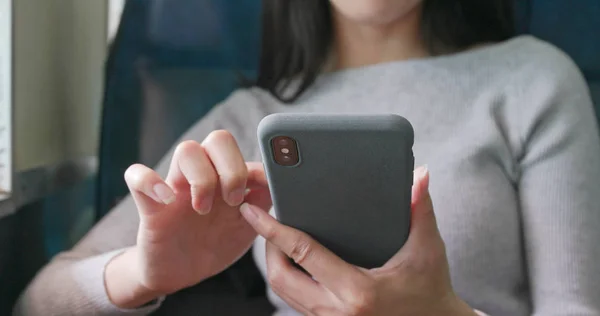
(285, 151)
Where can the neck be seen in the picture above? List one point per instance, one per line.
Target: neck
(358, 45)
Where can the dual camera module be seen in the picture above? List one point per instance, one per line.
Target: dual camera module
(285, 151)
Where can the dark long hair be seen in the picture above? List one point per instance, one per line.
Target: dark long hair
(297, 34)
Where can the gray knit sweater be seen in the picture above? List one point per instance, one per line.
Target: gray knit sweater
(510, 137)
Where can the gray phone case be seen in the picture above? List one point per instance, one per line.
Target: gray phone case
(351, 190)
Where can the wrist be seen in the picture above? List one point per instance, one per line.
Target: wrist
(122, 282)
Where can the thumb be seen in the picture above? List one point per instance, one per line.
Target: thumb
(424, 234)
(424, 227)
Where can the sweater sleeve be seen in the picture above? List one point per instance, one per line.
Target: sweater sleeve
(559, 191)
(73, 282)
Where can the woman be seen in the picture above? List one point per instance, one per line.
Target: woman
(505, 125)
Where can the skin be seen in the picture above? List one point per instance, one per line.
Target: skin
(416, 281)
(198, 221)
(190, 224)
(370, 32)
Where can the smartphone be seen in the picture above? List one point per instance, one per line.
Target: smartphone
(346, 180)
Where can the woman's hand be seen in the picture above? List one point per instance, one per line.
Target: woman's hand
(190, 224)
(414, 282)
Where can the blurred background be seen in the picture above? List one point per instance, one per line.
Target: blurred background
(75, 76)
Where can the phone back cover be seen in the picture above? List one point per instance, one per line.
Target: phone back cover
(351, 190)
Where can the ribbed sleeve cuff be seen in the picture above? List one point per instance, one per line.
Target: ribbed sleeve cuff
(89, 274)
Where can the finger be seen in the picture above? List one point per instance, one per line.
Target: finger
(423, 222)
(147, 188)
(260, 197)
(424, 235)
(192, 170)
(256, 175)
(258, 193)
(289, 282)
(295, 305)
(327, 268)
(225, 155)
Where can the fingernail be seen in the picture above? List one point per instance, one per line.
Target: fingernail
(164, 193)
(249, 213)
(205, 205)
(421, 172)
(237, 196)
(424, 178)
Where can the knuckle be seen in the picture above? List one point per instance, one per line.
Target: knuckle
(275, 279)
(271, 233)
(362, 302)
(218, 136)
(301, 250)
(188, 147)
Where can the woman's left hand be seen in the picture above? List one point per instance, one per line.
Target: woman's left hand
(416, 281)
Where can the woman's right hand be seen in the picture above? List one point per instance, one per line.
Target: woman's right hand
(190, 224)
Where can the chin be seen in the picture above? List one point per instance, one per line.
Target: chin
(374, 11)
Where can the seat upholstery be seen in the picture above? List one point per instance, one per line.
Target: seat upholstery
(574, 26)
(170, 63)
(188, 51)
